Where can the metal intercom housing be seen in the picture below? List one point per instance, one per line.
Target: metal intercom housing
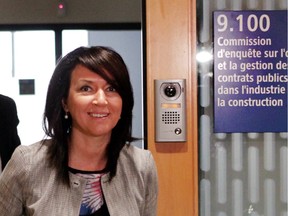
(170, 112)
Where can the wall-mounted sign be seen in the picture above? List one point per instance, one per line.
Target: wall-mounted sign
(26, 86)
(250, 71)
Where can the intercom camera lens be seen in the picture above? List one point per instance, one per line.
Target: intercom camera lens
(170, 90)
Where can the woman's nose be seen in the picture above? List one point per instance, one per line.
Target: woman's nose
(100, 98)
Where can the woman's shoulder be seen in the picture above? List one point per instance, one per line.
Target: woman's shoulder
(27, 159)
(133, 156)
(39, 146)
(135, 152)
(33, 153)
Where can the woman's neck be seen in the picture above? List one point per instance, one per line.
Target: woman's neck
(88, 153)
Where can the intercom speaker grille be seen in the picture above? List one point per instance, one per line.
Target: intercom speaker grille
(171, 117)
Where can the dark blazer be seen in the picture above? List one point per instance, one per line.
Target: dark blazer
(9, 138)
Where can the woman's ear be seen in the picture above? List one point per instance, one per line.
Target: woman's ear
(64, 105)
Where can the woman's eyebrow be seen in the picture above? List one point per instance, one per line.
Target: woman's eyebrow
(85, 80)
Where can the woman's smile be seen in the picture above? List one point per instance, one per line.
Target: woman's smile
(98, 115)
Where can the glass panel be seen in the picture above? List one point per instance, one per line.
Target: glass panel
(240, 173)
(6, 65)
(33, 52)
(71, 39)
(34, 62)
(6, 53)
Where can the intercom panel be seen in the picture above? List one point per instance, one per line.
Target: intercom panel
(170, 110)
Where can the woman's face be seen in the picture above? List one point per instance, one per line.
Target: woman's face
(94, 105)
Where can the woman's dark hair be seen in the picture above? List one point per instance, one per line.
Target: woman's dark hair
(110, 66)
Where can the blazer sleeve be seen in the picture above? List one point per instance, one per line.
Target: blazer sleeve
(151, 189)
(12, 184)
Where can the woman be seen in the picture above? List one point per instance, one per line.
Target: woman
(88, 167)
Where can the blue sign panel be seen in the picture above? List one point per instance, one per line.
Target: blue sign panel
(250, 71)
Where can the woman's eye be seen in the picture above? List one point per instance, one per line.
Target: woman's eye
(85, 88)
(111, 88)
